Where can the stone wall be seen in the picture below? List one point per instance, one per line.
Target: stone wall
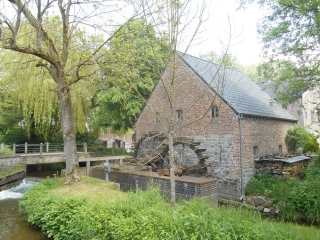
(281, 169)
(186, 187)
(219, 135)
(7, 162)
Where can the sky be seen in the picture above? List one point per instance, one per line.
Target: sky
(244, 43)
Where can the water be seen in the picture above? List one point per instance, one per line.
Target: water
(12, 225)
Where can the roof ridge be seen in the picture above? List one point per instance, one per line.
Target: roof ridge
(182, 55)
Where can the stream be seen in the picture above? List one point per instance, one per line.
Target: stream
(12, 225)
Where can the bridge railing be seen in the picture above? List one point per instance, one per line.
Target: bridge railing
(37, 148)
(56, 147)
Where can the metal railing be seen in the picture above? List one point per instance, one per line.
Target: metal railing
(41, 148)
(36, 148)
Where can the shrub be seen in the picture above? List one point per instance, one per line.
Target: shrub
(300, 137)
(298, 200)
(143, 215)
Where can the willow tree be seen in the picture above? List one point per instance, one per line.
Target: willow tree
(52, 48)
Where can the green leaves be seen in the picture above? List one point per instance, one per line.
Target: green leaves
(135, 61)
(300, 137)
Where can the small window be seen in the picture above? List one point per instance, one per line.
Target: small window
(179, 112)
(157, 118)
(280, 148)
(255, 151)
(214, 111)
(315, 95)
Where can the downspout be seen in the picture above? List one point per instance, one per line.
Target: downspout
(241, 155)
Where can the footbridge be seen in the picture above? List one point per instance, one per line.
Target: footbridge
(38, 156)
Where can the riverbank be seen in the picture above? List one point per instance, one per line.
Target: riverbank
(94, 209)
(11, 177)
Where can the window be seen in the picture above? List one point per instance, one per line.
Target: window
(280, 148)
(179, 112)
(214, 111)
(255, 151)
(157, 118)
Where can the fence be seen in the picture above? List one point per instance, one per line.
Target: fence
(51, 148)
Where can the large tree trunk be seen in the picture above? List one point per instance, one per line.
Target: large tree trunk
(69, 138)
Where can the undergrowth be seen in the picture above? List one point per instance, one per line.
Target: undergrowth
(299, 200)
(145, 215)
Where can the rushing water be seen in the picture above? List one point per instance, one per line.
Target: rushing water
(12, 225)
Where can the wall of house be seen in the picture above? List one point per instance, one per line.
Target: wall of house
(220, 136)
(267, 135)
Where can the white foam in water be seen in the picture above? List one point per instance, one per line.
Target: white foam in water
(18, 191)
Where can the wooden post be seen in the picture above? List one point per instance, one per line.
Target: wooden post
(47, 147)
(120, 162)
(14, 148)
(41, 148)
(85, 148)
(123, 147)
(113, 147)
(26, 147)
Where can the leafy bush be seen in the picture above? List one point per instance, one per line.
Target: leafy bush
(298, 200)
(311, 146)
(143, 215)
(300, 137)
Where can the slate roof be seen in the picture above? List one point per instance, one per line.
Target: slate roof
(236, 89)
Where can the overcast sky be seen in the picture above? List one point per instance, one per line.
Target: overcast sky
(245, 43)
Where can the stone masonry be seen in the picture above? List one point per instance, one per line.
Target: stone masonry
(220, 136)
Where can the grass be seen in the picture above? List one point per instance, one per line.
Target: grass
(94, 209)
(10, 171)
(93, 189)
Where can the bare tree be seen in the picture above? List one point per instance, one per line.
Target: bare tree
(26, 28)
(183, 24)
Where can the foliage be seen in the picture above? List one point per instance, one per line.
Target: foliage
(6, 150)
(224, 59)
(135, 60)
(142, 215)
(254, 71)
(291, 30)
(297, 200)
(300, 137)
(30, 104)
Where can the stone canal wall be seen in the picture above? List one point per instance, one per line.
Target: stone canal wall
(186, 187)
(12, 179)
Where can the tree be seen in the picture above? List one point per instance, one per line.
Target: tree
(163, 102)
(224, 59)
(300, 137)
(51, 45)
(291, 31)
(136, 57)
